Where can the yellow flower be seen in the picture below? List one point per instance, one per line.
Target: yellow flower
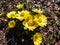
(24, 14)
(11, 24)
(37, 38)
(41, 20)
(19, 6)
(29, 24)
(19, 16)
(37, 11)
(1, 14)
(11, 14)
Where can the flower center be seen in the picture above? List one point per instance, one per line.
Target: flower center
(30, 22)
(39, 20)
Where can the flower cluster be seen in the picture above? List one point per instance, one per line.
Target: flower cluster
(31, 21)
